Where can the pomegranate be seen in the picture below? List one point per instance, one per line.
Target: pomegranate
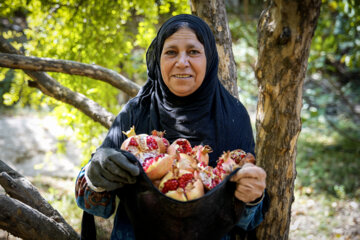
(201, 154)
(186, 162)
(181, 185)
(180, 145)
(227, 162)
(150, 150)
(144, 146)
(156, 167)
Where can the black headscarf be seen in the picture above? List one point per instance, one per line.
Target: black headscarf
(209, 116)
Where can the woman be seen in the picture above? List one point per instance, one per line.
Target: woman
(183, 97)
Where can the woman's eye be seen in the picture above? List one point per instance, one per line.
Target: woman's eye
(194, 52)
(170, 52)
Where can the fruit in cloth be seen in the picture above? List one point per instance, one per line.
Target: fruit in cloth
(228, 162)
(150, 150)
(181, 185)
(144, 146)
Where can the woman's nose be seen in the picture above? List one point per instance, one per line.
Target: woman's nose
(182, 60)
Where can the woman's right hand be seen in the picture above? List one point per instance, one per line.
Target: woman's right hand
(109, 170)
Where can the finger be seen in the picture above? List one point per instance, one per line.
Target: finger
(252, 184)
(99, 180)
(250, 171)
(109, 185)
(122, 161)
(243, 195)
(247, 193)
(116, 174)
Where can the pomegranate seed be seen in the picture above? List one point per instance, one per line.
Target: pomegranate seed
(151, 143)
(170, 185)
(185, 179)
(166, 142)
(184, 147)
(148, 162)
(133, 142)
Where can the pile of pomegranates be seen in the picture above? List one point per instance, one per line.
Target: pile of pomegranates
(179, 170)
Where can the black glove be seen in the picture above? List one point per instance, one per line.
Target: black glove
(110, 169)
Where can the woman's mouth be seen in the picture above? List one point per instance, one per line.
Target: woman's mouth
(182, 75)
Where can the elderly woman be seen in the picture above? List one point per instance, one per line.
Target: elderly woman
(183, 97)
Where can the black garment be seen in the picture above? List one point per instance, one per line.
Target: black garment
(156, 216)
(209, 116)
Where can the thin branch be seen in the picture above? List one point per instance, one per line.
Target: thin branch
(52, 88)
(69, 67)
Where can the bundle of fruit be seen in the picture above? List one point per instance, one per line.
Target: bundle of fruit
(179, 170)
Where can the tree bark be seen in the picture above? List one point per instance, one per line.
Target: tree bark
(213, 12)
(285, 31)
(70, 67)
(26, 214)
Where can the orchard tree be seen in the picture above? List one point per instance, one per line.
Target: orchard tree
(285, 31)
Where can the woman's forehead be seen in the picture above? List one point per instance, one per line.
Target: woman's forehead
(183, 36)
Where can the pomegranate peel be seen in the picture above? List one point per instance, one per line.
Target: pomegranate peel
(157, 167)
(186, 162)
(201, 153)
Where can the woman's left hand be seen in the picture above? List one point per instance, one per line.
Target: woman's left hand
(250, 182)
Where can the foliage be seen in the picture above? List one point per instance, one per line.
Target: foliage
(113, 34)
(329, 162)
(328, 147)
(245, 54)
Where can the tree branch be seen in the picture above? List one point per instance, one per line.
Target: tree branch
(70, 67)
(27, 223)
(26, 213)
(52, 88)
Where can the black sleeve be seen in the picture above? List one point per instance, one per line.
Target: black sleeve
(123, 122)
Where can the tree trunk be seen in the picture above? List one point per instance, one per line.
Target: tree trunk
(285, 31)
(213, 12)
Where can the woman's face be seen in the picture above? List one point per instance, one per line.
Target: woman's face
(183, 62)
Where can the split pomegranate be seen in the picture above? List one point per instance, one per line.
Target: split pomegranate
(227, 163)
(156, 167)
(181, 185)
(186, 162)
(144, 146)
(180, 145)
(150, 150)
(201, 154)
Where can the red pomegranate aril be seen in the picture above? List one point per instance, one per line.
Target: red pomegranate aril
(166, 142)
(151, 143)
(184, 147)
(133, 142)
(170, 185)
(185, 179)
(147, 162)
(150, 160)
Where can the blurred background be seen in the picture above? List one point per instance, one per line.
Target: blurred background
(49, 141)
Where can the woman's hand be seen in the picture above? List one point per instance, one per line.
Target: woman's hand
(110, 169)
(250, 182)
